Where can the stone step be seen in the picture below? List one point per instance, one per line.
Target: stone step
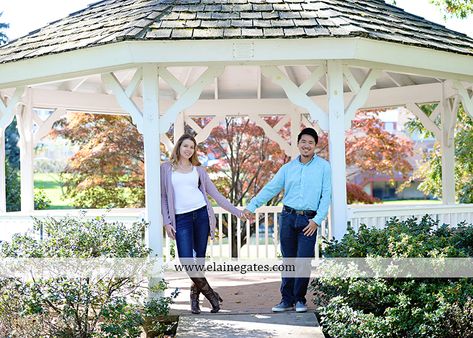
(254, 325)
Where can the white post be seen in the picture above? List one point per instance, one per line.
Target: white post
(338, 212)
(448, 118)
(25, 128)
(152, 159)
(295, 130)
(3, 193)
(179, 127)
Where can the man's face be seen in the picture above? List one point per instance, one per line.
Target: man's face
(306, 146)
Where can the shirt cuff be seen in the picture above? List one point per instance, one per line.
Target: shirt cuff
(251, 207)
(318, 220)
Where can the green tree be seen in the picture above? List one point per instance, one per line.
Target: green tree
(431, 170)
(108, 169)
(3, 36)
(455, 8)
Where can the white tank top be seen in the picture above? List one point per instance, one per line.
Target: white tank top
(187, 196)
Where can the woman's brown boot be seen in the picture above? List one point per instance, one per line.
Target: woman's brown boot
(212, 296)
(195, 292)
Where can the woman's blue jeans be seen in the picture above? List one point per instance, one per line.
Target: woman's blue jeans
(192, 232)
(295, 244)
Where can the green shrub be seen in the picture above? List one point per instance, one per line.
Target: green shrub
(76, 307)
(390, 307)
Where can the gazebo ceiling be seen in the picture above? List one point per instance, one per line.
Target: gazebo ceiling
(112, 21)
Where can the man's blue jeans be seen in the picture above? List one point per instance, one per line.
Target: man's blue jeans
(295, 244)
(192, 232)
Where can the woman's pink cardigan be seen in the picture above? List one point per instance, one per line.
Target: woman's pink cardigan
(168, 209)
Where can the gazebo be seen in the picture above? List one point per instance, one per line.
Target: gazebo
(312, 62)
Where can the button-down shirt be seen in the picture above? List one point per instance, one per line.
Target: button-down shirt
(307, 186)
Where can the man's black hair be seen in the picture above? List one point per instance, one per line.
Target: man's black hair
(310, 132)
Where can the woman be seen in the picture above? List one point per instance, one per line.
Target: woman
(187, 213)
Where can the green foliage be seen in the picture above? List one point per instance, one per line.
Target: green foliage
(12, 183)
(41, 201)
(430, 172)
(455, 8)
(81, 306)
(383, 307)
(3, 37)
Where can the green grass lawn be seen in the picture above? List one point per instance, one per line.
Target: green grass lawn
(51, 185)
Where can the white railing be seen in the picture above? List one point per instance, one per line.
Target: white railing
(263, 240)
(264, 233)
(378, 215)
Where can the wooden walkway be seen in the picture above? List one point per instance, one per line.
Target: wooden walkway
(246, 309)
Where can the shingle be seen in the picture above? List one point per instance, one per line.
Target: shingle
(261, 23)
(298, 31)
(305, 22)
(208, 33)
(282, 23)
(272, 32)
(242, 23)
(182, 33)
(116, 20)
(251, 15)
(232, 32)
(215, 23)
(253, 32)
(289, 15)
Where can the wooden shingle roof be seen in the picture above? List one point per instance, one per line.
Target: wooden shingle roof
(111, 21)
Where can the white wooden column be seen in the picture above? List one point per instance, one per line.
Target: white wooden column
(296, 120)
(152, 158)
(3, 193)
(448, 117)
(338, 211)
(179, 126)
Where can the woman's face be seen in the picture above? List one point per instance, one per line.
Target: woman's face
(187, 149)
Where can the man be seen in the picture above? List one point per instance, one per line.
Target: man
(306, 181)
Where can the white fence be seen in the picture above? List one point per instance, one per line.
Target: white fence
(377, 215)
(263, 241)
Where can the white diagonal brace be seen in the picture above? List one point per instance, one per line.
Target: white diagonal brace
(190, 96)
(167, 142)
(467, 100)
(282, 122)
(426, 121)
(360, 98)
(436, 112)
(205, 132)
(191, 123)
(134, 83)
(296, 95)
(7, 111)
(307, 123)
(351, 81)
(123, 100)
(313, 79)
(175, 84)
(44, 127)
(271, 133)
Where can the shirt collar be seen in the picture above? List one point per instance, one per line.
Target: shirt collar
(311, 160)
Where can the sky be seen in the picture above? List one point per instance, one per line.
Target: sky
(25, 16)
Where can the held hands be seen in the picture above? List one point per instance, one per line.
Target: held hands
(170, 231)
(247, 215)
(310, 229)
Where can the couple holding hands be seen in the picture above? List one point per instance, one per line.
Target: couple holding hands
(188, 216)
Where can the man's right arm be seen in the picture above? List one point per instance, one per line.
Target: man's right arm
(272, 188)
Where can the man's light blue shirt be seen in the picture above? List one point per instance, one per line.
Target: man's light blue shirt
(306, 187)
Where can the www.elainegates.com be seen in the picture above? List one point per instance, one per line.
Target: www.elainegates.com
(240, 268)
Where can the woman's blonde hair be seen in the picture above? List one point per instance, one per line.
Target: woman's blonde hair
(175, 152)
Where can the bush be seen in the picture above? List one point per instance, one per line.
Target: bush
(390, 307)
(76, 307)
(356, 194)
